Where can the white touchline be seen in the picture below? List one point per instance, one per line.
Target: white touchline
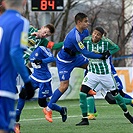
(36, 119)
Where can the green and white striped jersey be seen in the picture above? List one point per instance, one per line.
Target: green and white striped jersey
(99, 66)
(33, 43)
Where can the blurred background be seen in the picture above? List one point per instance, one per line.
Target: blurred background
(115, 16)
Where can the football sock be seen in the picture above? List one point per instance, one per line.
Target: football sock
(120, 101)
(91, 104)
(83, 103)
(127, 96)
(20, 106)
(95, 109)
(56, 107)
(128, 101)
(57, 94)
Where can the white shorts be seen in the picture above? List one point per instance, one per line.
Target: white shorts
(106, 81)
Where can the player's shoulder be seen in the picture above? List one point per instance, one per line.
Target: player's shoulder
(45, 50)
(70, 35)
(72, 31)
(32, 29)
(87, 38)
(105, 39)
(18, 18)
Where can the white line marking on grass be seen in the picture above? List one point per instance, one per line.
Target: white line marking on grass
(36, 119)
(35, 107)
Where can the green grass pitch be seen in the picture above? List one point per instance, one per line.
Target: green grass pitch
(110, 119)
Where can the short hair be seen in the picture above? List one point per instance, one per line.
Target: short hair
(14, 3)
(100, 29)
(80, 16)
(51, 28)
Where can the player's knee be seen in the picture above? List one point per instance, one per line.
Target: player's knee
(42, 102)
(109, 98)
(63, 86)
(85, 89)
(114, 92)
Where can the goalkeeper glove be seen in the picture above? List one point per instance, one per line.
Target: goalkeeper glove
(27, 92)
(37, 62)
(105, 55)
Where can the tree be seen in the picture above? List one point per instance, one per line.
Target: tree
(109, 14)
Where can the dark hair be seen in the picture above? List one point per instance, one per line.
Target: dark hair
(51, 28)
(80, 16)
(100, 29)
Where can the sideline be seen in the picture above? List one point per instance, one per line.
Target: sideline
(38, 119)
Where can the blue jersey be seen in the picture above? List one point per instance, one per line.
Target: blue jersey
(112, 66)
(73, 44)
(117, 79)
(68, 60)
(73, 38)
(41, 72)
(13, 37)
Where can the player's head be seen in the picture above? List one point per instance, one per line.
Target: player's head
(81, 20)
(47, 31)
(15, 4)
(97, 34)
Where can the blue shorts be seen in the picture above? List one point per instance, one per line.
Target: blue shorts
(118, 82)
(7, 114)
(65, 69)
(45, 89)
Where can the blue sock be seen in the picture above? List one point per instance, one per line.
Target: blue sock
(127, 96)
(56, 107)
(95, 109)
(20, 106)
(57, 94)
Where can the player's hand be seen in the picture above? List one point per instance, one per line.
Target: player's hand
(37, 34)
(105, 55)
(27, 92)
(37, 62)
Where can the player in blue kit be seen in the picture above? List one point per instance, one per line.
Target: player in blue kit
(73, 54)
(109, 97)
(13, 38)
(41, 78)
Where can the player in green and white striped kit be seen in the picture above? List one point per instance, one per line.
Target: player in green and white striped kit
(38, 38)
(99, 71)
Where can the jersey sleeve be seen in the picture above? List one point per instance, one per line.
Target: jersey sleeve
(18, 42)
(112, 66)
(82, 49)
(78, 42)
(20, 36)
(57, 45)
(113, 48)
(31, 30)
(47, 54)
